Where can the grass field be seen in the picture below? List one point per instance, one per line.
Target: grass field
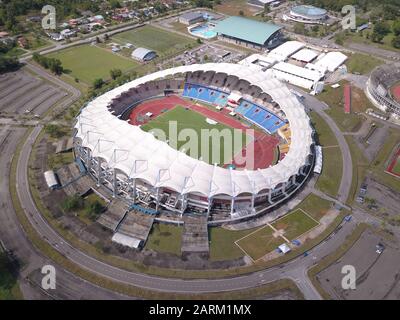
(260, 242)
(396, 168)
(165, 238)
(335, 100)
(362, 63)
(189, 119)
(222, 243)
(88, 63)
(161, 41)
(332, 161)
(295, 224)
(233, 7)
(315, 206)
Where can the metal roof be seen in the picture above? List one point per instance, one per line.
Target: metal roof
(141, 53)
(247, 29)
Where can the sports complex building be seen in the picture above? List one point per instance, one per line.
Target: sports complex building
(383, 88)
(249, 33)
(112, 142)
(307, 14)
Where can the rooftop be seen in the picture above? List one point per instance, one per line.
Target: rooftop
(247, 29)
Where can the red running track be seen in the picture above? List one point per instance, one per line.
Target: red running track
(263, 145)
(396, 92)
(395, 158)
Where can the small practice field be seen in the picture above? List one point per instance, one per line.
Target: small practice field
(233, 8)
(161, 41)
(394, 165)
(294, 224)
(88, 62)
(362, 63)
(191, 127)
(260, 242)
(222, 243)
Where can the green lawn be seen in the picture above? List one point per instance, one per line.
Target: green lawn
(88, 63)
(331, 175)
(295, 224)
(56, 161)
(396, 168)
(325, 135)
(222, 243)
(159, 40)
(362, 63)
(260, 242)
(335, 100)
(165, 238)
(315, 206)
(190, 127)
(85, 214)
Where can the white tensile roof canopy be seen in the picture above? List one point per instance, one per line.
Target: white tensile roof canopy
(138, 154)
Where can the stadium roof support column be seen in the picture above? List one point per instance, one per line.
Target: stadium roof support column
(209, 206)
(157, 198)
(270, 196)
(114, 183)
(232, 204)
(88, 160)
(98, 172)
(134, 190)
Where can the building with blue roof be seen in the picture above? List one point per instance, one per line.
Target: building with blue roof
(249, 33)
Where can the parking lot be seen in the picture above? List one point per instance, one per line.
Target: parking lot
(22, 93)
(209, 53)
(371, 267)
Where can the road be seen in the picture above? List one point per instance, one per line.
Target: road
(14, 238)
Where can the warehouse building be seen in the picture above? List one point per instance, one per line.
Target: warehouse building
(143, 54)
(249, 33)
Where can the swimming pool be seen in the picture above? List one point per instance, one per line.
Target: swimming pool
(205, 31)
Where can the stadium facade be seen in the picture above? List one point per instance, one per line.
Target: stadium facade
(307, 14)
(379, 85)
(136, 167)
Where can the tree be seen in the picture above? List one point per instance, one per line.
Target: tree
(72, 203)
(115, 73)
(396, 42)
(299, 28)
(98, 83)
(396, 27)
(53, 130)
(241, 13)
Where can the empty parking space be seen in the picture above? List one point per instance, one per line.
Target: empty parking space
(22, 93)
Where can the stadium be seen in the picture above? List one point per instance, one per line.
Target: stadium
(306, 14)
(113, 139)
(383, 88)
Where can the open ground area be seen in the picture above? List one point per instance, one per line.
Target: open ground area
(260, 242)
(371, 268)
(294, 224)
(163, 42)
(89, 62)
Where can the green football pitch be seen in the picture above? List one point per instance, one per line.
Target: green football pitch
(396, 168)
(197, 136)
(88, 63)
(161, 41)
